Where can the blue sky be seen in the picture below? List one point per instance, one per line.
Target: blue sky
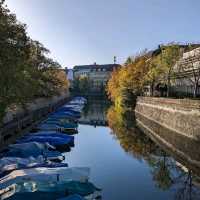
(87, 31)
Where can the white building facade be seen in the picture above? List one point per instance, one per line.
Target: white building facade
(98, 75)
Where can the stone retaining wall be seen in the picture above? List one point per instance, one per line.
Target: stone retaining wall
(19, 120)
(181, 116)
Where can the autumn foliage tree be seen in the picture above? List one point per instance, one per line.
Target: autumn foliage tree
(26, 71)
(127, 82)
(146, 68)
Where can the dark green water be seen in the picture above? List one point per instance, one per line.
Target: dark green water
(125, 163)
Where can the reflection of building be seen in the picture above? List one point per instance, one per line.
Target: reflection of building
(98, 75)
(95, 113)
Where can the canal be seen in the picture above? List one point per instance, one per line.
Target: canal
(125, 163)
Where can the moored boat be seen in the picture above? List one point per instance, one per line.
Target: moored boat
(72, 197)
(47, 155)
(54, 127)
(9, 164)
(55, 141)
(43, 174)
(48, 134)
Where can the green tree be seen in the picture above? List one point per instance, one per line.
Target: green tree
(170, 54)
(26, 71)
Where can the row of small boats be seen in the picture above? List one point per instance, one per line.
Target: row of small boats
(34, 162)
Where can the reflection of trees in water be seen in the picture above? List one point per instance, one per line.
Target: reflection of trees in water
(186, 189)
(165, 172)
(131, 139)
(163, 169)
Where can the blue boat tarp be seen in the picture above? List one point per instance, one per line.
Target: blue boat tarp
(59, 175)
(22, 153)
(59, 124)
(51, 134)
(65, 114)
(13, 163)
(62, 116)
(74, 107)
(52, 126)
(49, 126)
(32, 146)
(71, 110)
(38, 184)
(73, 197)
(8, 164)
(81, 188)
(55, 141)
(61, 120)
(50, 165)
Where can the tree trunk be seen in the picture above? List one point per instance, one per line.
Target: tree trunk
(168, 86)
(195, 89)
(152, 89)
(3, 106)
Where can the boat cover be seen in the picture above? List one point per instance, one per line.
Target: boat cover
(72, 197)
(55, 141)
(59, 175)
(51, 134)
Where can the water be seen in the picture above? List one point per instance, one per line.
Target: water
(125, 163)
(119, 174)
(129, 166)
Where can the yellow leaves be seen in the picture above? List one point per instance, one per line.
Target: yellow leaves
(61, 76)
(136, 72)
(113, 84)
(57, 79)
(127, 78)
(143, 69)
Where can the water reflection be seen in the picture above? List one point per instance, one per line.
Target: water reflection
(167, 173)
(94, 112)
(132, 165)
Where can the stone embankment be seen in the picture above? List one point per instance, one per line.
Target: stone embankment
(181, 116)
(174, 124)
(19, 119)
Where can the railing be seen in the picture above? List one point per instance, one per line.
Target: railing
(182, 91)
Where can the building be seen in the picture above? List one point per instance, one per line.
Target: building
(97, 75)
(69, 73)
(187, 73)
(183, 74)
(70, 76)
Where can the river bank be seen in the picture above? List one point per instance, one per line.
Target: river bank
(180, 116)
(174, 124)
(21, 119)
(145, 168)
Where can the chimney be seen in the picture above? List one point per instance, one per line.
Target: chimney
(115, 59)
